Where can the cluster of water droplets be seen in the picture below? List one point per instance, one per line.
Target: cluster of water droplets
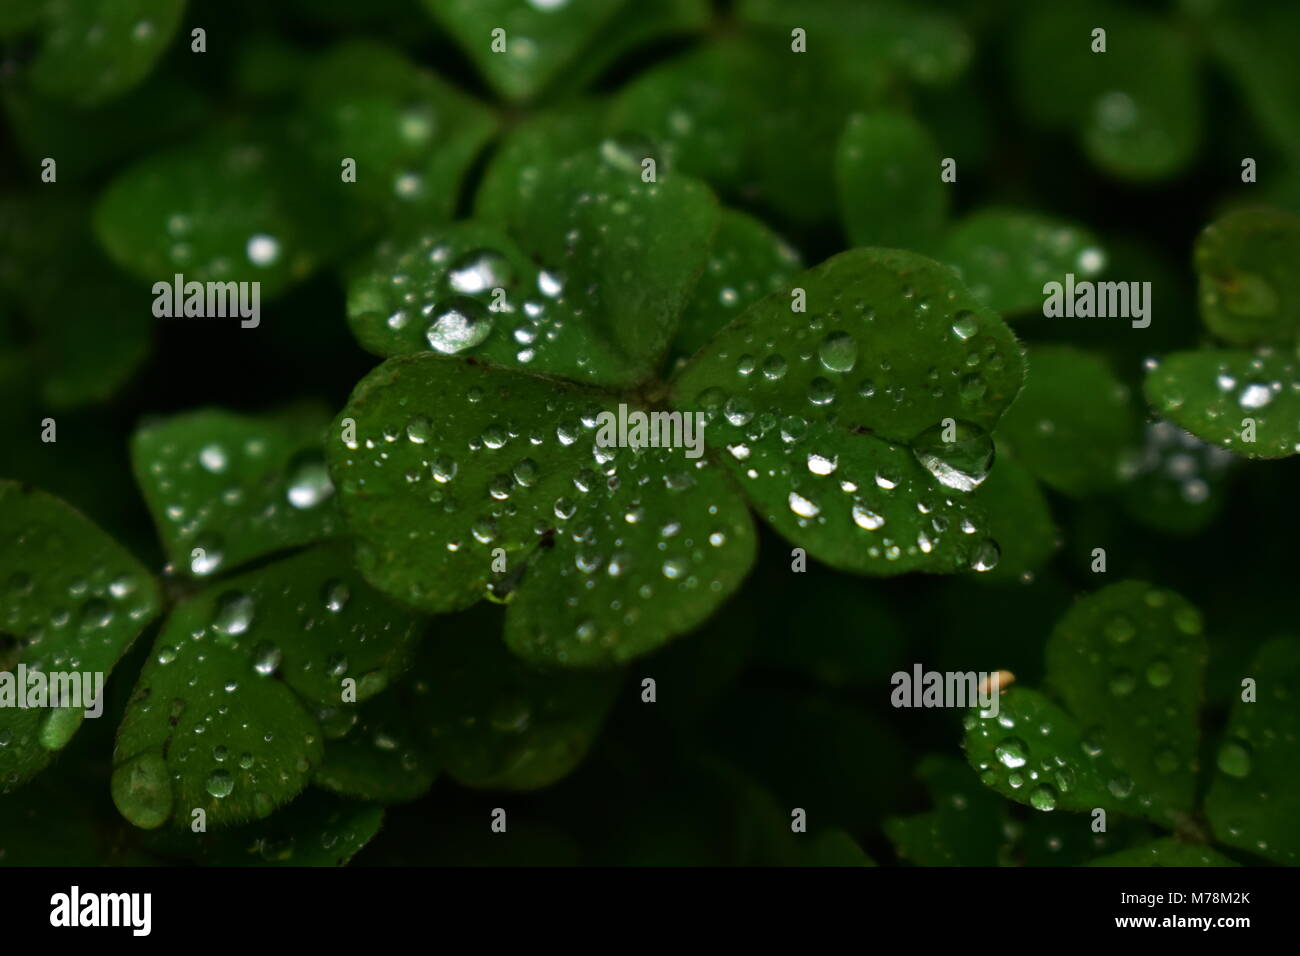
(74, 608)
(622, 527)
(215, 684)
(1049, 251)
(1266, 389)
(449, 299)
(230, 486)
(1173, 455)
(781, 444)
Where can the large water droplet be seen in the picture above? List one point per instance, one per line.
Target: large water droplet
(478, 271)
(220, 783)
(986, 556)
(459, 323)
(838, 352)
(1012, 752)
(1234, 758)
(142, 791)
(309, 480)
(234, 613)
(959, 454)
(627, 151)
(59, 726)
(1043, 797)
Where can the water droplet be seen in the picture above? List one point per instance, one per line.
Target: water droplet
(459, 323)
(265, 658)
(1119, 629)
(821, 464)
(478, 271)
(838, 352)
(1234, 758)
(821, 391)
(443, 468)
(1255, 396)
(309, 480)
(1043, 797)
(1122, 683)
(774, 367)
(142, 791)
(234, 613)
(418, 430)
(220, 783)
(627, 151)
(986, 555)
(864, 517)
(959, 454)
(263, 250)
(206, 556)
(964, 325)
(335, 595)
(213, 458)
(59, 726)
(803, 507)
(1159, 673)
(1012, 753)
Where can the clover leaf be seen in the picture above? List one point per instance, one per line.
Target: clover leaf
(1165, 852)
(226, 716)
(456, 467)
(94, 50)
(722, 114)
(1133, 656)
(747, 262)
(411, 135)
(1252, 801)
(74, 602)
(965, 828)
(316, 830)
(1240, 399)
(1245, 401)
(373, 753)
(1251, 39)
(925, 45)
(1134, 106)
(494, 722)
(1049, 418)
(825, 428)
(616, 259)
(233, 207)
(88, 334)
(1249, 290)
(887, 172)
(520, 47)
(224, 489)
(1006, 256)
(633, 28)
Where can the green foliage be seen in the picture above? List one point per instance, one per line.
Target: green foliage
(400, 556)
(74, 600)
(225, 489)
